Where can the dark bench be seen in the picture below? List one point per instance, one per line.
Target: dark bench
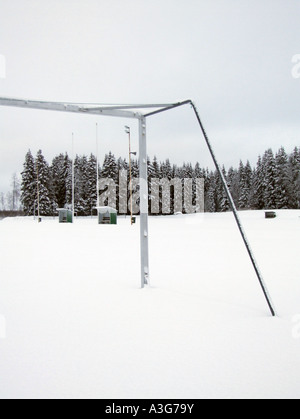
(270, 214)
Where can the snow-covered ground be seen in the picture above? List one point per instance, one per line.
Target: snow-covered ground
(74, 322)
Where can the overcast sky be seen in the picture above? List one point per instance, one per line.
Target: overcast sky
(232, 57)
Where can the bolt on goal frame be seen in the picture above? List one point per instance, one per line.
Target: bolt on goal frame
(141, 112)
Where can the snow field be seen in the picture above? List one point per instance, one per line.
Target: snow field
(77, 324)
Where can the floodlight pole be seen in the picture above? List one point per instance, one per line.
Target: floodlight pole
(143, 202)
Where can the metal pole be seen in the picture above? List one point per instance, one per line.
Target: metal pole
(236, 216)
(143, 202)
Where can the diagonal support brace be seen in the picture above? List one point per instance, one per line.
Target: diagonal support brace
(236, 216)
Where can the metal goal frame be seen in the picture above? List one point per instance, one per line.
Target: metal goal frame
(134, 112)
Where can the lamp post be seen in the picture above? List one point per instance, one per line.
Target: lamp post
(127, 130)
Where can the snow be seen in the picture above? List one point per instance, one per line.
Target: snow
(75, 324)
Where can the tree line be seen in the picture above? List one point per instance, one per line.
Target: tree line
(274, 182)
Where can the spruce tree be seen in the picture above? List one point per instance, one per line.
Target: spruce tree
(167, 189)
(84, 202)
(69, 181)
(211, 200)
(281, 179)
(122, 195)
(294, 179)
(91, 186)
(79, 185)
(151, 181)
(206, 188)
(58, 172)
(28, 185)
(234, 184)
(109, 173)
(178, 196)
(245, 183)
(258, 185)
(252, 198)
(223, 202)
(269, 169)
(154, 177)
(110, 167)
(45, 199)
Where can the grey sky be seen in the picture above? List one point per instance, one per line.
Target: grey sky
(232, 57)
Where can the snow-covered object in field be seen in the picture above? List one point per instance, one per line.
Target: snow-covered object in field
(107, 215)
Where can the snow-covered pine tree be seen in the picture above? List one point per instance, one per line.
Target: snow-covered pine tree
(211, 197)
(58, 173)
(2, 202)
(69, 181)
(178, 197)
(156, 168)
(167, 190)
(80, 178)
(110, 167)
(84, 202)
(166, 170)
(151, 175)
(46, 202)
(151, 170)
(223, 202)
(135, 170)
(154, 176)
(109, 174)
(258, 186)
(206, 175)
(91, 186)
(197, 174)
(234, 184)
(245, 183)
(252, 197)
(269, 169)
(28, 185)
(122, 190)
(293, 186)
(187, 172)
(281, 179)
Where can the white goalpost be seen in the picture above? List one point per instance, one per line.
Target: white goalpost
(141, 112)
